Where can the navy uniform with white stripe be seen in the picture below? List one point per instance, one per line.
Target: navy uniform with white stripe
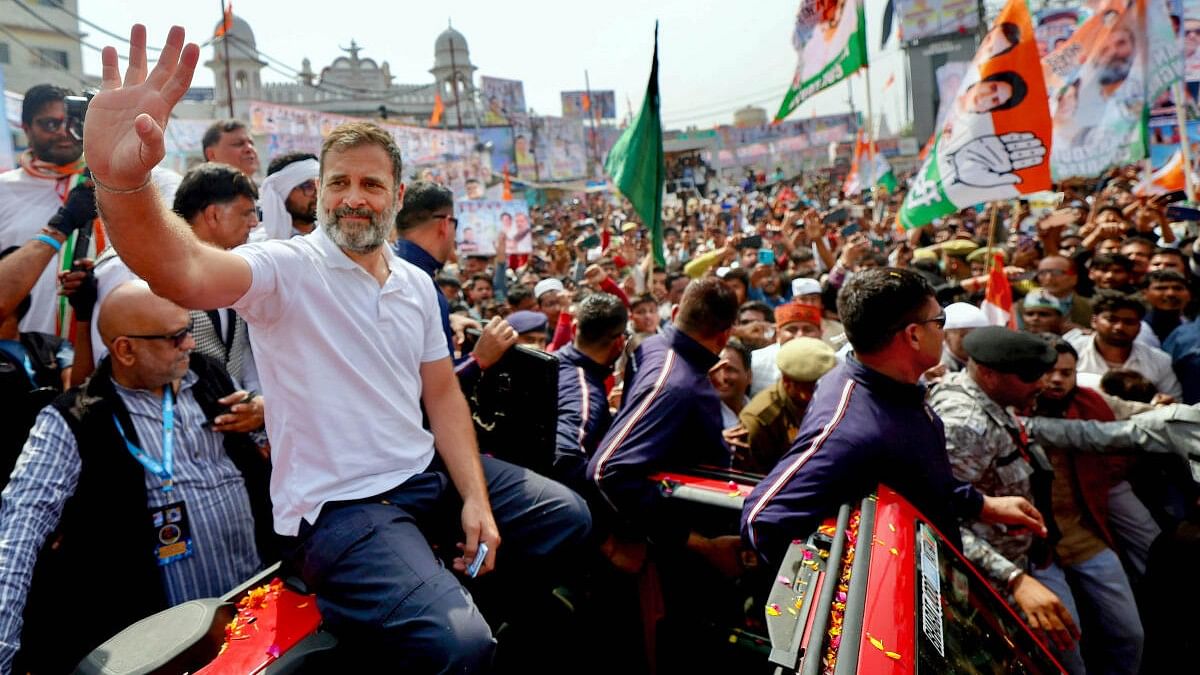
(583, 415)
(861, 429)
(868, 423)
(670, 417)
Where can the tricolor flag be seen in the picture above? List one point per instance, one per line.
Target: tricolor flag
(862, 176)
(830, 39)
(995, 143)
(1167, 178)
(1102, 82)
(997, 302)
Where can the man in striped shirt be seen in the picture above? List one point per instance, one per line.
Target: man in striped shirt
(132, 442)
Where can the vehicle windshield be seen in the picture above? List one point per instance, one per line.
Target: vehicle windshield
(963, 626)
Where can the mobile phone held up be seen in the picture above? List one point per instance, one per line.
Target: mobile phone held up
(766, 256)
(850, 229)
(1184, 211)
(589, 241)
(836, 216)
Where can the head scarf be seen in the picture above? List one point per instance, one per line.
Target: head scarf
(272, 197)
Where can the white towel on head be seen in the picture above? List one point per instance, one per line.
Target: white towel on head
(276, 222)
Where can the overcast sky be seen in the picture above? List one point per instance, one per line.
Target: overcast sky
(715, 56)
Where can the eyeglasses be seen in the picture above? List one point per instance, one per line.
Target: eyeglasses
(308, 187)
(1053, 273)
(449, 218)
(176, 338)
(940, 320)
(51, 125)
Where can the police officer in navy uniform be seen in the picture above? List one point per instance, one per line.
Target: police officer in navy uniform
(868, 423)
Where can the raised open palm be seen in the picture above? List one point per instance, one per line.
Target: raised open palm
(123, 130)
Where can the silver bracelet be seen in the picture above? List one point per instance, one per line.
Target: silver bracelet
(116, 191)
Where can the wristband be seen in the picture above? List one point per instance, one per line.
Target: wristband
(118, 191)
(49, 241)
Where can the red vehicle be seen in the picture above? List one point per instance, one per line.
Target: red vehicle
(875, 590)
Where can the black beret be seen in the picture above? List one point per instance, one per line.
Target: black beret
(1023, 354)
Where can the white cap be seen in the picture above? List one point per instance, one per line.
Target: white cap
(965, 315)
(805, 286)
(545, 286)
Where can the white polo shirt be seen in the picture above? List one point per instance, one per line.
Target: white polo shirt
(339, 358)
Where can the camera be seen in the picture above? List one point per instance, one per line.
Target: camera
(76, 110)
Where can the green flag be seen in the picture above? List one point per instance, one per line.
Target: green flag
(830, 39)
(636, 164)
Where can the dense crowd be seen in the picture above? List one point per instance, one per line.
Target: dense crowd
(283, 398)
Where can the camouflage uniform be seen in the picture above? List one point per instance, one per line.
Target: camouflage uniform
(981, 440)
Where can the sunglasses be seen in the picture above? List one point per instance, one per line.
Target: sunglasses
(176, 338)
(940, 320)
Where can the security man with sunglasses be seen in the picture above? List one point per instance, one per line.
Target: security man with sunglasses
(989, 448)
(125, 501)
(868, 423)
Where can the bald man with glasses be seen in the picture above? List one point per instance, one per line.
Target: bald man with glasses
(149, 506)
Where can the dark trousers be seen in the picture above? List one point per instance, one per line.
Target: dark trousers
(383, 589)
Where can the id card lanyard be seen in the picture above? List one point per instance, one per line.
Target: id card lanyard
(166, 469)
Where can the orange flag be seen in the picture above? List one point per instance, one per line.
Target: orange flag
(586, 103)
(997, 303)
(436, 118)
(226, 23)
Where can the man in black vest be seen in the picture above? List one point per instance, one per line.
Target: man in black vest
(125, 501)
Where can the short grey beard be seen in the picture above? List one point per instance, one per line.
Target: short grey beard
(363, 241)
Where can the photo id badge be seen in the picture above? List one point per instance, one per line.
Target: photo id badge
(172, 533)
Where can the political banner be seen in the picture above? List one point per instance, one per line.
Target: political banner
(481, 222)
(601, 105)
(501, 139)
(501, 99)
(1191, 39)
(1102, 82)
(920, 19)
(830, 39)
(995, 143)
(560, 149)
(1054, 27)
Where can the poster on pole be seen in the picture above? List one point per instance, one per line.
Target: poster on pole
(599, 105)
(481, 222)
(921, 19)
(501, 99)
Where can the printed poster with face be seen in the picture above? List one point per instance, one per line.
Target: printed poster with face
(1102, 82)
(830, 39)
(482, 221)
(995, 141)
(502, 99)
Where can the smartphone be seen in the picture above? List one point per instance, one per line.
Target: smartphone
(766, 256)
(836, 216)
(753, 241)
(850, 229)
(590, 241)
(480, 555)
(1172, 197)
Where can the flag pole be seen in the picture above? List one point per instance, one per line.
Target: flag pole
(871, 146)
(991, 240)
(1185, 146)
